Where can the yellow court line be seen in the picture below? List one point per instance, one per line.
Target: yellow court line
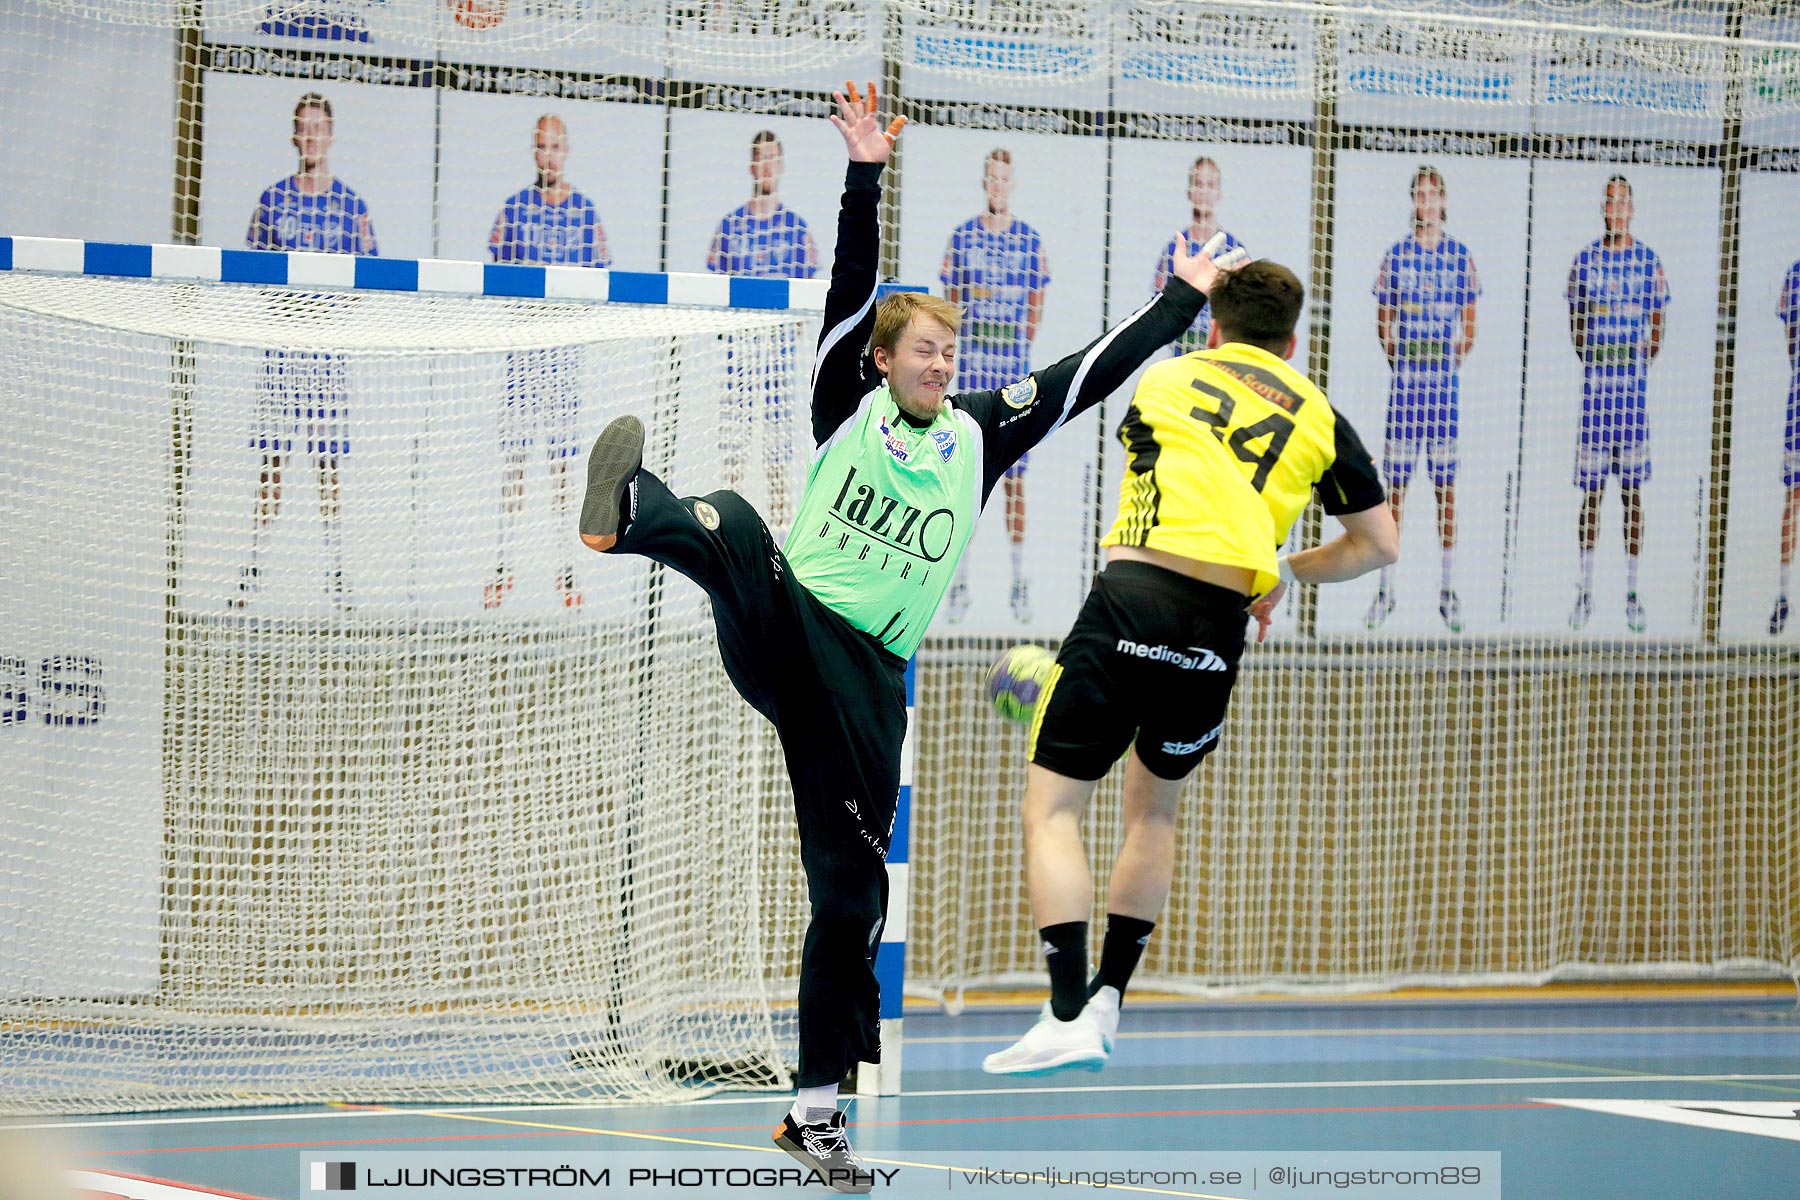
(624, 1133)
(771, 1149)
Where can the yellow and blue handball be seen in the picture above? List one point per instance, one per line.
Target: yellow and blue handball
(1017, 680)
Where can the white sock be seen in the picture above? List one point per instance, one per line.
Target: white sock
(1786, 570)
(334, 547)
(962, 573)
(1018, 560)
(508, 537)
(1631, 566)
(249, 574)
(820, 1100)
(1587, 570)
(1387, 578)
(1449, 558)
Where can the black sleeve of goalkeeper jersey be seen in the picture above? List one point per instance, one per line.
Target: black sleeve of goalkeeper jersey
(1351, 483)
(842, 373)
(1017, 417)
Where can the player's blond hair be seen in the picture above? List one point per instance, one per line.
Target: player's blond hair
(893, 315)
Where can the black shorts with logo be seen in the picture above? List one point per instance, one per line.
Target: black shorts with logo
(1151, 660)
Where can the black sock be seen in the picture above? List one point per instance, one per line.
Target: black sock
(1120, 951)
(1065, 953)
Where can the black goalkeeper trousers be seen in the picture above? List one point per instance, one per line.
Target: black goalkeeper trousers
(838, 702)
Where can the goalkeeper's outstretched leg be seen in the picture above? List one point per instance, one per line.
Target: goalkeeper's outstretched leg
(613, 465)
(837, 700)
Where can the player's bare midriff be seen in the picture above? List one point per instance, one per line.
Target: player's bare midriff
(1238, 579)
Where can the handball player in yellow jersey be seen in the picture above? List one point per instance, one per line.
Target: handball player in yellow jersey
(1225, 446)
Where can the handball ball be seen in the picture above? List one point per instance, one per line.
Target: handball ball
(1016, 680)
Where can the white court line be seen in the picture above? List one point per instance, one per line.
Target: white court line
(7, 1126)
(772, 1098)
(1324, 1084)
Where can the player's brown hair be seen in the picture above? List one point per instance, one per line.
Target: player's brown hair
(893, 315)
(1427, 171)
(998, 154)
(1258, 304)
(312, 100)
(765, 137)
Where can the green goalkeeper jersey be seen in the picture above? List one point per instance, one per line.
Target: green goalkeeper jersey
(888, 507)
(890, 504)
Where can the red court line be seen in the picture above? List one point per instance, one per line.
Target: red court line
(176, 1183)
(761, 1126)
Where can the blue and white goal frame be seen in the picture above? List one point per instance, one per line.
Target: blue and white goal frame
(342, 272)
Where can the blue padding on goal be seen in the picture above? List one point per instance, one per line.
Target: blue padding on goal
(388, 274)
(638, 287)
(253, 266)
(509, 279)
(901, 843)
(890, 976)
(116, 258)
(138, 260)
(758, 293)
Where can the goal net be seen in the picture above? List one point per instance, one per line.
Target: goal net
(1552, 282)
(337, 767)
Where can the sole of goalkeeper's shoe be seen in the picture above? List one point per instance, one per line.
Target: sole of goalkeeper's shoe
(617, 454)
(847, 1181)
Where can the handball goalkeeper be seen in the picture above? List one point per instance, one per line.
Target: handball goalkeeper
(816, 634)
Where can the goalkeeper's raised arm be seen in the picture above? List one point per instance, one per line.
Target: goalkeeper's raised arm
(839, 379)
(1017, 417)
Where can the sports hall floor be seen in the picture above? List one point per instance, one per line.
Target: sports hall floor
(1528, 1075)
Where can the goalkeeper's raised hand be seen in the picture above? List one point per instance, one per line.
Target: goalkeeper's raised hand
(1200, 266)
(859, 120)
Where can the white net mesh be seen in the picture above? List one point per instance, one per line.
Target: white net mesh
(1498, 785)
(346, 816)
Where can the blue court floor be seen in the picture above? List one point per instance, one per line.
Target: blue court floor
(1630, 1094)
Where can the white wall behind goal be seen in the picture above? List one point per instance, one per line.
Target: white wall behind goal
(81, 667)
(87, 120)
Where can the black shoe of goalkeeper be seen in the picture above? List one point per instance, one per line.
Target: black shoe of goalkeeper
(612, 464)
(825, 1148)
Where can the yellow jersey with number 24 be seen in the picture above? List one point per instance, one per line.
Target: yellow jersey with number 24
(1223, 449)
